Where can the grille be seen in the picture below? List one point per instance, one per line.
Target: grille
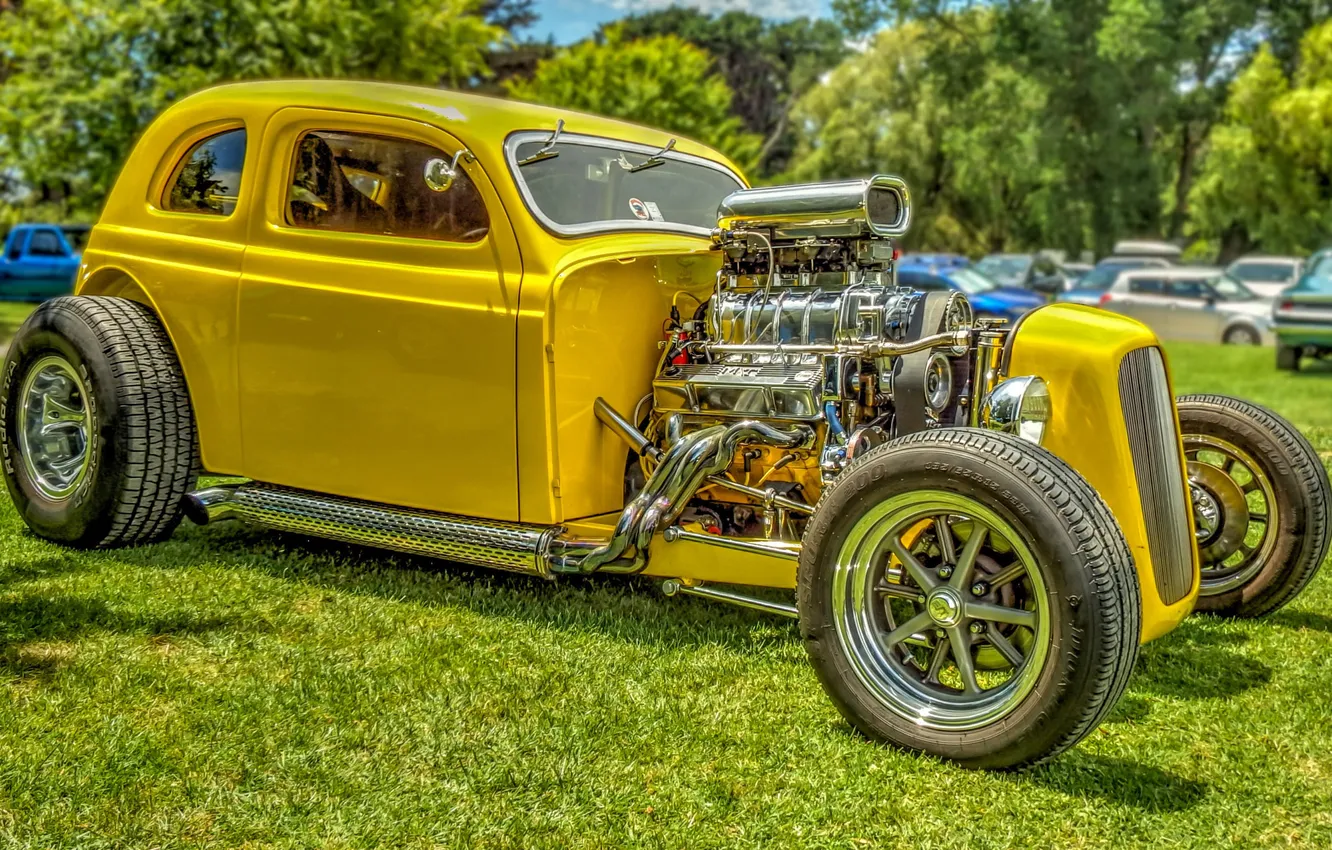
(1149, 417)
(486, 543)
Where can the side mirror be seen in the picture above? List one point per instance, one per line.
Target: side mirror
(439, 174)
(1210, 299)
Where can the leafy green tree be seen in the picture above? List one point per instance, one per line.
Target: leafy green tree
(768, 64)
(87, 75)
(966, 146)
(1267, 177)
(662, 81)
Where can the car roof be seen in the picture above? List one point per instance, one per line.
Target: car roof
(477, 120)
(1146, 247)
(1268, 258)
(1173, 272)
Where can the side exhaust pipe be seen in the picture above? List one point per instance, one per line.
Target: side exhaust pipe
(485, 543)
(535, 550)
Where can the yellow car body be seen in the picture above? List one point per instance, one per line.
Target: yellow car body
(335, 362)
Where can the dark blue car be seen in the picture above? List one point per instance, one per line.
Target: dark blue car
(987, 297)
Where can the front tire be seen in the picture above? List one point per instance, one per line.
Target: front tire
(99, 441)
(994, 651)
(1261, 505)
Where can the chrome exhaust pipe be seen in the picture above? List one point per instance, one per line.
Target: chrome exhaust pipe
(210, 505)
(486, 543)
(682, 470)
(534, 550)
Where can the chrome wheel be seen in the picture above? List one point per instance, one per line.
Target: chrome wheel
(942, 610)
(1234, 512)
(54, 427)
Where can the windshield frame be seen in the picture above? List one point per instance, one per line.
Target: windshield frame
(520, 137)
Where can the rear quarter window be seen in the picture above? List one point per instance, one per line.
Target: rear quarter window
(207, 179)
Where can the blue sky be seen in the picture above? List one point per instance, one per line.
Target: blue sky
(570, 20)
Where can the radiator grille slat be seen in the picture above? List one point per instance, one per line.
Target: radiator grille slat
(1149, 417)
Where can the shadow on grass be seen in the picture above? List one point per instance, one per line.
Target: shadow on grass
(1198, 661)
(628, 609)
(1127, 783)
(1300, 620)
(36, 632)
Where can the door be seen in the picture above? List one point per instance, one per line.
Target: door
(1144, 299)
(51, 262)
(377, 319)
(1194, 316)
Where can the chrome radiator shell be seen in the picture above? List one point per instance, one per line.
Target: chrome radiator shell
(1149, 418)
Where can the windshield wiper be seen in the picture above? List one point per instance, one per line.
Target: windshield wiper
(545, 152)
(656, 159)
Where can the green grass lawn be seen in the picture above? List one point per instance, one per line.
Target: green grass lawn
(239, 688)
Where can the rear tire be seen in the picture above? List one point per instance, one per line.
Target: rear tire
(1076, 586)
(1250, 463)
(1288, 357)
(99, 437)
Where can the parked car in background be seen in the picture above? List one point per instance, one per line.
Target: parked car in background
(1302, 318)
(1074, 272)
(1146, 248)
(1266, 276)
(1191, 303)
(1092, 285)
(988, 298)
(38, 262)
(951, 260)
(1028, 271)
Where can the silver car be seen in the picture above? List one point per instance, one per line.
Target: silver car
(1266, 276)
(1192, 303)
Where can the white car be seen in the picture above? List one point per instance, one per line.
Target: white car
(1266, 276)
(1192, 303)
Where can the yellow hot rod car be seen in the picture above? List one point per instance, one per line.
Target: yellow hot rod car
(554, 343)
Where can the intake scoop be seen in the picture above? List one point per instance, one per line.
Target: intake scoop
(875, 206)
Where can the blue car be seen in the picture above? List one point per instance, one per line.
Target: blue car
(948, 260)
(988, 298)
(39, 261)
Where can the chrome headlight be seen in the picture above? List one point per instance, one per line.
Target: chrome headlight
(1018, 406)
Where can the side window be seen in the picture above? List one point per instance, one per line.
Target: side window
(207, 179)
(358, 183)
(1194, 289)
(1145, 286)
(16, 246)
(44, 243)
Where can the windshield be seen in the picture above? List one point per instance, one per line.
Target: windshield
(1268, 272)
(971, 281)
(1008, 268)
(1232, 289)
(590, 185)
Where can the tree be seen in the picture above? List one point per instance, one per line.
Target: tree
(767, 64)
(965, 143)
(1267, 176)
(660, 81)
(88, 75)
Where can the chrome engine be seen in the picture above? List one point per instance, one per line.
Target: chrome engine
(807, 328)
